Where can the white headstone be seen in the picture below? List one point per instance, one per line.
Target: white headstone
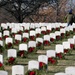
(12, 53)
(71, 41)
(52, 35)
(4, 26)
(62, 30)
(1, 42)
(73, 25)
(39, 40)
(66, 45)
(0, 34)
(18, 37)
(51, 53)
(33, 65)
(53, 26)
(43, 28)
(25, 35)
(21, 28)
(66, 28)
(47, 37)
(6, 32)
(1, 58)
(59, 48)
(43, 58)
(74, 37)
(32, 26)
(31, 44)
(18, 70)
(49, 27)
(14, 30)
(38, 30)
(57, 25)
(3, 72)
(70, 28)
(27, 26)
(60, 73)
(57, 33)
(7, 40)
(23, 47)
(32, 33)
(70, 70)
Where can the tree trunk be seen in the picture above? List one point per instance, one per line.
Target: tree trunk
(57, 12)
(57, 15)
(20, 20)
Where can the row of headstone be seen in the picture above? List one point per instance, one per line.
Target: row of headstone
(19, 70)
(37, 30)
(6, 33)
(48, 38)
(31, 25)
(18, 28)
(65, 45)
(42, 30)
(59, 49)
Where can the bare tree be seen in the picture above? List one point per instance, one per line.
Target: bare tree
(53, 11)
(21, 9)
(3, 2)
(36, 10)
(58, 5)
